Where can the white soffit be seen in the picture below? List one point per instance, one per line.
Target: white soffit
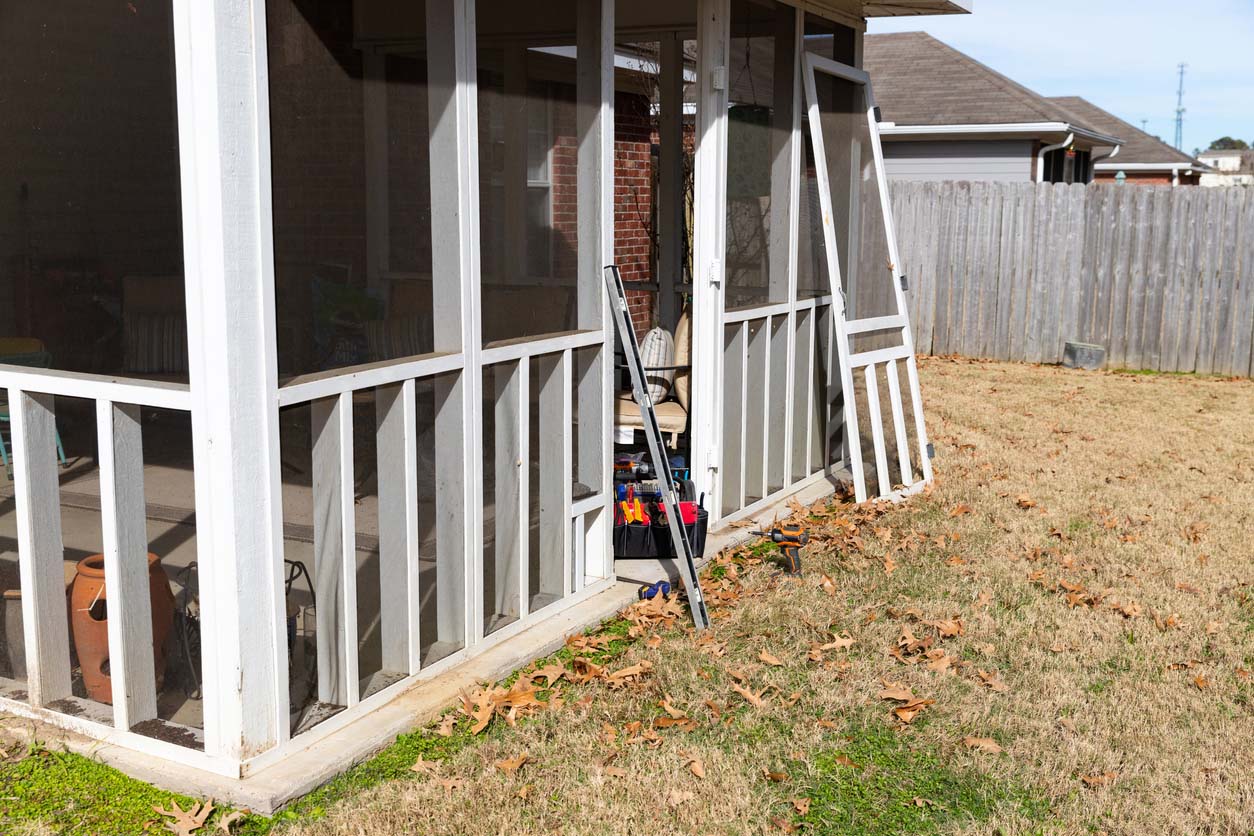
(901, 8)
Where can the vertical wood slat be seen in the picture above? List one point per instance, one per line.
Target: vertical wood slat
(877, 429)
(124, 530)
(510, 499)
(777, 460)
(555, 475)
(802, 392)
(335, 557)
(899, 422)
(757, 403)
(523, 499)
(744, 408)
(397, 468)
(733, 418)
(37, 500)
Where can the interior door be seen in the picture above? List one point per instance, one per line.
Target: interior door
(882, 406)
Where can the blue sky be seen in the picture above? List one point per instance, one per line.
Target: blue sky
(1119, 54)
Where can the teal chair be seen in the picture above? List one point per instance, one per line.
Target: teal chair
(34, 359)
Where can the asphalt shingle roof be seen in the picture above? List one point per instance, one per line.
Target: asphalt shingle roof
(1139, 147)
(922, 81)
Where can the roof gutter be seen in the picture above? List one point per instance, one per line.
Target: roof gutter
(1152, 167)
(1040, 157)
(1114, 152)
(1001, 129)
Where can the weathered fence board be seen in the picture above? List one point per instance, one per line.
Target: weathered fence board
(1162, 277)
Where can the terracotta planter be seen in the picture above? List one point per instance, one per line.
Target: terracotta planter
(89, 621)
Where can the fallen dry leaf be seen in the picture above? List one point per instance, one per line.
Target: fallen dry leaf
(959, 510)
(1201, 682)
(445, 728)
(984, 744)
(696, 767)
(774, 777)
(845, 760)
(452, 785)
(827, 585)
(615, 772)
(801, 805)
(785, 825)
(185, 822)
(223, 824)
(508, 765)
(907, 712)
(676, 797)
(769, 659)
(653, 642)
(1099, 779)
(524, 791)
(425, 767)
(753, 699)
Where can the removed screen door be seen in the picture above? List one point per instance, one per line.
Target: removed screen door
(872, 329)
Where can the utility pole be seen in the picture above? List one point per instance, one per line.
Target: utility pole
(1180, 108)
(1145, 126)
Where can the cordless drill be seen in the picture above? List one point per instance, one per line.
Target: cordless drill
(790, 539)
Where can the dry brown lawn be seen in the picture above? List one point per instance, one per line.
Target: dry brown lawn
(1076, 588)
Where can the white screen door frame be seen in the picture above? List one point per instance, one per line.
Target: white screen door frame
(867, 363)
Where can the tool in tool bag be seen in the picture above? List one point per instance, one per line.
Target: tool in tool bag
(790, 539)
(661, 464)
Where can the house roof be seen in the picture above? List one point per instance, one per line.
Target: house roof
(1139, 148)
(922, 82)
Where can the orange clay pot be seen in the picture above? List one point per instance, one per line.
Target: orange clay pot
(89, 620)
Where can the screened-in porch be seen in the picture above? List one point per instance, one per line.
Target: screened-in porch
(310, 387)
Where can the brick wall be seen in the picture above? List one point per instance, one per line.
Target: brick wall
(633, 201)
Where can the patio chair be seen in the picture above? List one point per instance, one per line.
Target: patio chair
(21, 351)
(672, 412)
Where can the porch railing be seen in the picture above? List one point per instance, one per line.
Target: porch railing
(124, 535)
(781, 423)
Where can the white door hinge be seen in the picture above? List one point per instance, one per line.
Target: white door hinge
(716, 272)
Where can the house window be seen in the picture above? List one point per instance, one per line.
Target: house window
(540, 189)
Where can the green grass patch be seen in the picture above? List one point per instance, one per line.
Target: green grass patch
(898, 789)
(76, 796)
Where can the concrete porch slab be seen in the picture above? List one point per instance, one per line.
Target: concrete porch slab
(270, 788)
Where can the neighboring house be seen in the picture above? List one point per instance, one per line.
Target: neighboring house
(1143, 159)
(946, 116)
(1231, 168)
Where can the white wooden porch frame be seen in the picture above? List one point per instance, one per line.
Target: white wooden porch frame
(846, 328)
(234, 397)
(709, 245)
(224, 149)
(784, 425)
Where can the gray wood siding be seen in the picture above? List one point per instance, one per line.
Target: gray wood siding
(969, 159)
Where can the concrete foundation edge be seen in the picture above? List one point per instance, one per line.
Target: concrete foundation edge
(269, 789)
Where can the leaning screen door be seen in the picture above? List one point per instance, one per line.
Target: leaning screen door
(882, 406)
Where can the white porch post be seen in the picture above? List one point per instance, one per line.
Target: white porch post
(595, 198)
(454, 146)
(709, 239)
(224, 140)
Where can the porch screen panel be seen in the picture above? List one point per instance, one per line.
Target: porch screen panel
(351, 182)
(528, 154)
(91, 246)
(759, 128)
(865, 266)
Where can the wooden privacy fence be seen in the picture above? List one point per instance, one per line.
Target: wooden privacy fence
(1162, 277)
